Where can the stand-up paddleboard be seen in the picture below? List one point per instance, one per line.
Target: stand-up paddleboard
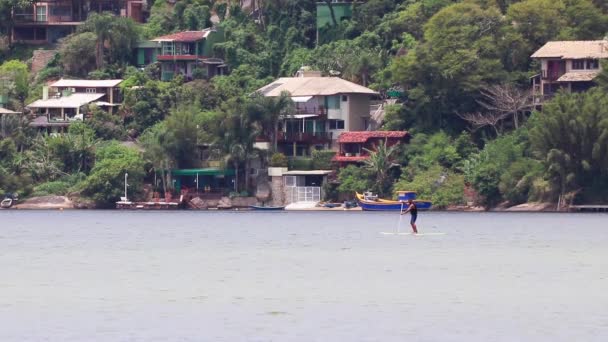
(419, 234)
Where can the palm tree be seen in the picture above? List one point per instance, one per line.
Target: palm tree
(379, 162)
(154, 142)
(269, 111)
(237, 135)
(101, 25)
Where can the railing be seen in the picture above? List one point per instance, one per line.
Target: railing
(311, 110)
(304, 136)
(552, 75)
(303, 194)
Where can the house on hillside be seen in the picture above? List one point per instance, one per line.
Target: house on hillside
(65, 101)
(185, 53)
(108, 88)
(45, 22)
(354, 146)
(568, 65)
(325, 107)
(54, 115)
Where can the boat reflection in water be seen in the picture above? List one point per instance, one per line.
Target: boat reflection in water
(371, 202)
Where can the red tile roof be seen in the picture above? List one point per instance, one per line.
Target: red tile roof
(361, 137)
(345, 159)
(184, 36)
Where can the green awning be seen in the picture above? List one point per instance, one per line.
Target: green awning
(203, 172)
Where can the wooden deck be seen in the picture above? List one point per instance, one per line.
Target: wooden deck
(161, 205)
(589, 208)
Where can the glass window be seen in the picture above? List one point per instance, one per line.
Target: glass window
(333, 102)
(290, 181)
(593, 64)
(336, 124)
(41, 13)
(167, 48)
(344, 98)
(91, 90)
(578, 64)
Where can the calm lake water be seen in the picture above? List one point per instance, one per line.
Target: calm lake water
(301, 276)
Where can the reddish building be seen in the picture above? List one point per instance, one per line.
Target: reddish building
(48, 21)
(185, 52)
(353, 146)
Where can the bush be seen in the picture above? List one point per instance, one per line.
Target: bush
(436, 184)
(300, 164)
(354, 179)
(321, 160)
(278, 160)
(105, 184)
(58, 188)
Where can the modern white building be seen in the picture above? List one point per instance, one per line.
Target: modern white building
(325, 107)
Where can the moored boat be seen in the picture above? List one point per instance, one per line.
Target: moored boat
(6, 203)
(390, 205)
(261, 207)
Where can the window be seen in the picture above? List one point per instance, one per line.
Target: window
(593, 64)
(41, 13)
(167, 48)
(332, 102)
(91, 90)
(336, 124)
(344, 98)
(61, 11)
(578, 64)
(290, 181)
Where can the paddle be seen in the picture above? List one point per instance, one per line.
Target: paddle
(400, 216)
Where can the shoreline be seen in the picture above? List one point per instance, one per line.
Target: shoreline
(65, 203)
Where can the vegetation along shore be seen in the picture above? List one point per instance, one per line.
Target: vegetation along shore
(203, 104)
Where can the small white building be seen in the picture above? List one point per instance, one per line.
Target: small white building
(297, 186)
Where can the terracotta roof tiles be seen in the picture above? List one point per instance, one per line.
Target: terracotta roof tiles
(361, 137)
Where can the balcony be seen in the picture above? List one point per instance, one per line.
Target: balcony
(314, 110)
(552, 75)
(305, 137)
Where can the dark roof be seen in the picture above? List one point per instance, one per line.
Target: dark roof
(361, 137)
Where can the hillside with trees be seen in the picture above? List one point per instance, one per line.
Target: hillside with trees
(461, 70)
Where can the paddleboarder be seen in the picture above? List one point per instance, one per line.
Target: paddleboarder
(413, 210)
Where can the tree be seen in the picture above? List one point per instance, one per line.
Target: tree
(269, 110)
(118, 35)
(380, 160)
(506, 99)
(182, 137)
(354, 179)
(570, 136)
(236, 137)
(153, 141)
(78, 53)
(105, 184)
(16, 74)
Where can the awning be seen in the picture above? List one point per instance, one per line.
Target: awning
(301, 98)
(202, 172)
(300, 116)
(307, 173)
(579, 76)
(106, 104)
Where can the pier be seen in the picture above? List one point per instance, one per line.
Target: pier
(589, 208)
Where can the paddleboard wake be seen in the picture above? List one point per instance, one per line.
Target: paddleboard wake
(419, 234)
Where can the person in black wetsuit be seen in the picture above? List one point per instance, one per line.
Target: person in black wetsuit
(413, 210)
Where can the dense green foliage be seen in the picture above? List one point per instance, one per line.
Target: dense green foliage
(440, 55)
